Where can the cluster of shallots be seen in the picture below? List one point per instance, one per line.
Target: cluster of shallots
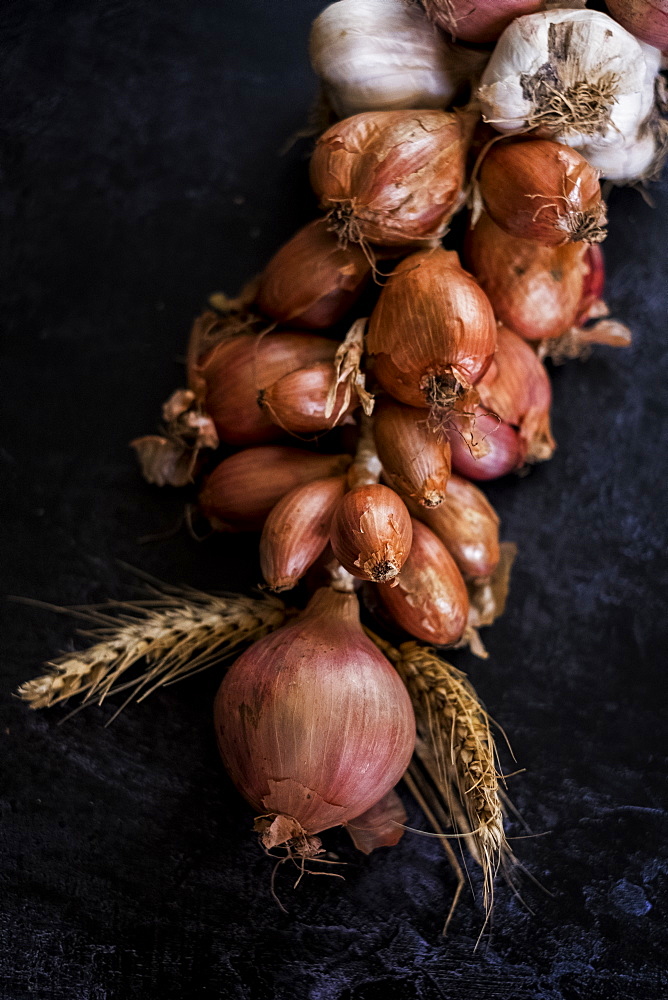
(357, 453)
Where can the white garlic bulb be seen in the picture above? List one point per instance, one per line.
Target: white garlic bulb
(572, 75)
(634, 157)
(384, 55)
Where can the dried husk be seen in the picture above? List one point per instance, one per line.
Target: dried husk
(312, 281)
(371, 532)
(486, 447)
(298, 402)
(429, 599)
(534, 290)
(296, 531)
(415, 460)
(234, 372)
(517, 389)
(242, 489)
(468, 526)
(480, 21)
(392, 177)
(314, 726)
(380, 826)
(544, 191)
(432, 334)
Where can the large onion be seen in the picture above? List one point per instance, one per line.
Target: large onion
(314, 726)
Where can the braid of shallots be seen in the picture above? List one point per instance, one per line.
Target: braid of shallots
(450, 716)
(177, 633)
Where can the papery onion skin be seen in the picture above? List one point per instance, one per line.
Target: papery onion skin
(392, 177)
(534, 290)
(415, 460)
(477, 20)
(312, 281)
(242, 489)
(644, 19)
(312, 722)
(433, 326)
(297, 402)
(468, 526)
(237, 369)
(383, 55)
(371, 533)
(592, 304)
(430, 600)
(544, 191)
(517, 389)
(296, 531)
(496, 448)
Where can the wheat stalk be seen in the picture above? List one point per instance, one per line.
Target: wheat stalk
(177, 632)
(460, 754)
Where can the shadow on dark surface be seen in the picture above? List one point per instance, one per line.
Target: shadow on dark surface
(141, 172)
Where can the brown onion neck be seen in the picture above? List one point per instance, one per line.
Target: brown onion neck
(333, 602)
(366, 468)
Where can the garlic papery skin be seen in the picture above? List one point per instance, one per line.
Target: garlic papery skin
(384, 55)
(572, 75)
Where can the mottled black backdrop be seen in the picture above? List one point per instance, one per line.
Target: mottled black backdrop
(141, 170)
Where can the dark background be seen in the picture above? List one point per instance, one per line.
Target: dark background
(141, 171)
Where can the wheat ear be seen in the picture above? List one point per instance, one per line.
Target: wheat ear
(177, 632)
(460, 752)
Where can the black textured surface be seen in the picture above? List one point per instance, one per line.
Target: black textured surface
(140, 172)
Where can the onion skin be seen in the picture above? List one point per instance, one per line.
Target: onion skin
(235, 370)
(497, 449)
(592, 304)
(543, 191)
(392, 177)
(240, 492)
(312, 721)
(517, 389)
(430, 600)
(534, 290)
(296, 531)
(468, 526)
(312, 281)
(414, 459)
(297, 401)
(647, 20)
(433, 326)
(479, 21)
(371, 533)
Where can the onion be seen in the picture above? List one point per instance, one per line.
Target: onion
(242, 489)
(414, 459)
(592, 304)
(468, 526)
(477, 20)
(429, 599)
(392, 177)
(517, 389)
(543, 191)
(297, 402)
(646, 19)
(572, 75)
(312, 281)
(534, 290)
(432, 333)
(491, 450)
(236, 370)
(383, 55)
(296, 531)
(371, 532)
(313, 724)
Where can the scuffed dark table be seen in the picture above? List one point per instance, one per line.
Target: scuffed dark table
(141, 172)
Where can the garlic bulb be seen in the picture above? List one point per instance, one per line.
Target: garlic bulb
(384, 55)
(572, 75)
